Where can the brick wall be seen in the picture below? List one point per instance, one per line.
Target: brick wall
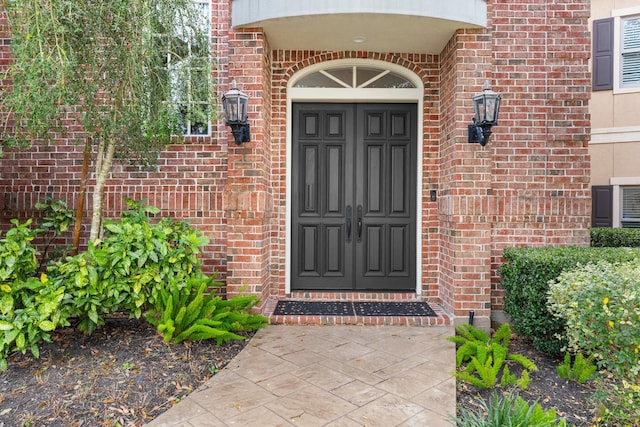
(540, 170)
(528, 186)
(466, 179)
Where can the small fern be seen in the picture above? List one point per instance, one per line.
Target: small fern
(581, 371)
(193, 313)
(508, 378)
(484, 358)
(526, 363)
(524, 380)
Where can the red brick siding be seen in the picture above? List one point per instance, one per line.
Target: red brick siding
(540, 170)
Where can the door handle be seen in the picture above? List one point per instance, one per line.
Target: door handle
(359, 222)
(348, 215)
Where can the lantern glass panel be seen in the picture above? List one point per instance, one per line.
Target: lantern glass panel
(243, 101)
(230, 108)
(235, 105)
(492, 103)
(478, 108)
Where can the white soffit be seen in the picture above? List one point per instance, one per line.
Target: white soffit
(417, 26)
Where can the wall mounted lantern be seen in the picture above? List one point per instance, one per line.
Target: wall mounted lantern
(485, 106)
(234, 104)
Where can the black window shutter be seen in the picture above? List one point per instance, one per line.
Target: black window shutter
(603, 54)
(602, 206)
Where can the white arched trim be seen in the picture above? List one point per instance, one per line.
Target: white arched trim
(342, 94)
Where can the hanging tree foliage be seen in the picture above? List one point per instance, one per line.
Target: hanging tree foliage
(119, 71)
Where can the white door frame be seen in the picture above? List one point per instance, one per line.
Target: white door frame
(355, 95)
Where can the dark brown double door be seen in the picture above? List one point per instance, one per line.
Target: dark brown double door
(353, 197)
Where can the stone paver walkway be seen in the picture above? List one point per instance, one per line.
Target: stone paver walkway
(329, 376)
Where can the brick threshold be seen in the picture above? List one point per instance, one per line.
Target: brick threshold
(442, 318)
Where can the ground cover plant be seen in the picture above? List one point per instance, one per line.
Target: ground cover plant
(560, 399)
(509, 410)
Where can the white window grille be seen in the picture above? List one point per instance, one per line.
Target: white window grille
(355, 77)
(630, 207)
(630, 51)
(189, 73)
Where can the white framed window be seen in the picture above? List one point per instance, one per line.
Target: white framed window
(630, 52)
(626, 58)
(188, 67)
(626, 202)
(630, 207)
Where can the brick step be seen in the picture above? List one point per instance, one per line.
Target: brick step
(442, 318)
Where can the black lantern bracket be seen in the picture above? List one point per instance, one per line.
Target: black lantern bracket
(486, 106)
(241, 132)
(235, 105)
(479, 134)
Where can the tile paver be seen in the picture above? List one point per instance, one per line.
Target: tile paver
(338, 376)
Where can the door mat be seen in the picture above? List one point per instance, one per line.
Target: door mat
(357, 308)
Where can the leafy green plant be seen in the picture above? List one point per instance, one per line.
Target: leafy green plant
(484, 357)
(190, 311)
(27, 316)
(508, 410)
(137, 265)
(125, 271)
(29, 307)
(600, 306)
(17, 255)
(56, 219)
(580, 370)
(525, 280)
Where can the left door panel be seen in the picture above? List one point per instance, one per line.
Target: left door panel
(322, 187)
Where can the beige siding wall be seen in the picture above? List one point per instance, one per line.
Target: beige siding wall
(615, 142)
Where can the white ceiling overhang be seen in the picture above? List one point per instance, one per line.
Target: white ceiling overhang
(412, 26)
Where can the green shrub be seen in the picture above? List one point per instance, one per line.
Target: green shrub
(485, 358)
(525, 280)
(125, 270)
(27, 316)
(508, 410)
(138, 264)
(615, 237)
(600, 305)
(191, 311)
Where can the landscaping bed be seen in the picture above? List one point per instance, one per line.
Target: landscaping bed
(125, 374)
(570, 399)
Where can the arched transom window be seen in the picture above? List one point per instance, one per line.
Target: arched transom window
(355, 77)
(355, 80)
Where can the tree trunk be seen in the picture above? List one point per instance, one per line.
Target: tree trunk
(103, 166)
(81, 196)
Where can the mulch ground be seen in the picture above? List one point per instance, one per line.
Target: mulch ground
(124, 374)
